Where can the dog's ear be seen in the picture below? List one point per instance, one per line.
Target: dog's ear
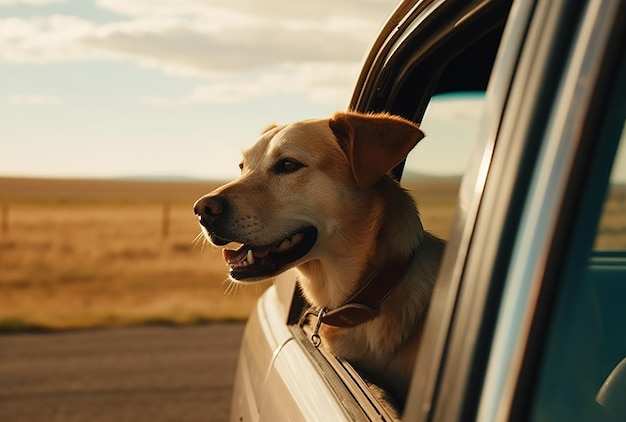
(270, 127)
(374, 143)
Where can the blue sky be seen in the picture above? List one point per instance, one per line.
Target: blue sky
(114, 88)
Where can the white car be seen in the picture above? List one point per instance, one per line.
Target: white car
(528, 317)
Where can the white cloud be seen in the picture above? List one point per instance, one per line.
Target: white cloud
(208, 46)
(44, 39)
(4, 3)
(172, 43)
(200, 35)
(275, 10)
(185, 10)
(289, 47)
(34, 99)
(327, 83)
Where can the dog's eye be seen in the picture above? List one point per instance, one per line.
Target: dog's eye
(240, 166)
(287, 165)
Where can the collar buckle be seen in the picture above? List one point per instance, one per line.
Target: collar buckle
(315, 337)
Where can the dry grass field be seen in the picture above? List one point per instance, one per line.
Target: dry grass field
(95, 253)
(77, 253)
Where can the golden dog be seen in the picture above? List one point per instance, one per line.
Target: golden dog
(316, 195)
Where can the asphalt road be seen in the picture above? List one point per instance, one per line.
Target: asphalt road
(133, 374)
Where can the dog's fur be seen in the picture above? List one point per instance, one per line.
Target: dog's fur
(331, 174)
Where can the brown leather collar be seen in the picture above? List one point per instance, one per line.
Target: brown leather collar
(364, 304)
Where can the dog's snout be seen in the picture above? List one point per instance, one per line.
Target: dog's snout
(210, 208)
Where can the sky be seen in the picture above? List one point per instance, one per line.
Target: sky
(110, 88)
(141, 88)
(119, 88)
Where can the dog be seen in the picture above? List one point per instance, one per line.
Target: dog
(317, 195)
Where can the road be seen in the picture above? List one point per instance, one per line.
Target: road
(132, 374)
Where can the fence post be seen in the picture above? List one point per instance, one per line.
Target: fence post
(165, 223)
(4, 225)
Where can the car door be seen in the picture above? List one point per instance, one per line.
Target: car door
(507, 335)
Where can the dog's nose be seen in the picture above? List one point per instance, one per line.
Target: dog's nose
(209, 209)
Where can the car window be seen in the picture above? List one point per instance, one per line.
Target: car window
(434, 76)
(611, 234)
(432, 174)
(434, 168)
(587, 340)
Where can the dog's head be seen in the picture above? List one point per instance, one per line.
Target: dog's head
(301, 187)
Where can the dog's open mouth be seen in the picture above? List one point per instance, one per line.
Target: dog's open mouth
(259, 262)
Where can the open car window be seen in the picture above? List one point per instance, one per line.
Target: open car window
(434, 169)
(434, 88)
(451, 121)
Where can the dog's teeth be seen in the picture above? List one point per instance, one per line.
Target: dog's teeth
(285, 244)
(290, 242)
(250, 257)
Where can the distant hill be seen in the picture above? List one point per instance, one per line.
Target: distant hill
(160, 178)
(121, 190)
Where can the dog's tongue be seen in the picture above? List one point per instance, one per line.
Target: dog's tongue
(233, 257)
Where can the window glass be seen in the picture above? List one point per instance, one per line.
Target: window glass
(587, 337)
(612, 230)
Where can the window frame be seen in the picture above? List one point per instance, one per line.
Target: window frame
(591, 112)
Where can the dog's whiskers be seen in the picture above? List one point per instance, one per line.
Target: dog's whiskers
(199, 237)
(231, 287)
(200, 240)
